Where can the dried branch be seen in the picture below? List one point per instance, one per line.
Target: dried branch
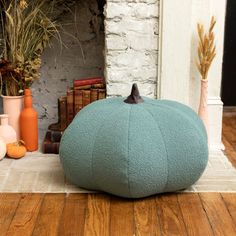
(206, 48)
(27, 29)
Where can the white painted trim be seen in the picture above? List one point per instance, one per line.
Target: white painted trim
(175, 50)
(215, 108)
(215, 101)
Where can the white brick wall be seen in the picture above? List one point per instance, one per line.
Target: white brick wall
(131, 46)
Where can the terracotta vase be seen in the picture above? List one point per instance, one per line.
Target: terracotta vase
(12, 106)
(7, 133)
(29, 123)
(203, 108)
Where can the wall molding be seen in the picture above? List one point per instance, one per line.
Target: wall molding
(215, 108)
(174, 50)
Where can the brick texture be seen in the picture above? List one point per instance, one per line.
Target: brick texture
(131, 46)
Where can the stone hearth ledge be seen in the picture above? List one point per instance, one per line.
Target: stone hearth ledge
(42, 173)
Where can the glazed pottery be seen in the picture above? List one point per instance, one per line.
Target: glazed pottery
(7, 133)
(13, 105)
(29, 123)
(203, 108)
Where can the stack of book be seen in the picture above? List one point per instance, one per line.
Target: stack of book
(84, 92)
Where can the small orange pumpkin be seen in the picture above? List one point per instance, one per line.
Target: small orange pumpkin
(16, 150)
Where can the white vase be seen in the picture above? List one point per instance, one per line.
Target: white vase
(7, 133)
(12, 106)
(203, 108)
(3, 149)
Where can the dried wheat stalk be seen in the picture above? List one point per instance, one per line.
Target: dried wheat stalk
(206, 48)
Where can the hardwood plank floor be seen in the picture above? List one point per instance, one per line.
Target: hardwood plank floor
(170, 215)
(25, 217)
(229, 134)
(8, 206)
(97, 220)
(230, 202)
(219, 217)
(73, 217)
(146, 217)
(121, 217)
(194, 215)
(49, 216)
(190, 214)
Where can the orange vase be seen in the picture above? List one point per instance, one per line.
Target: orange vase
(29, 123)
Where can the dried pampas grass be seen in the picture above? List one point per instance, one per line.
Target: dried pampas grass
(206, 48)
(27, 29)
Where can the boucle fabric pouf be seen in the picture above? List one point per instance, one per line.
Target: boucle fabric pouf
(134, 148)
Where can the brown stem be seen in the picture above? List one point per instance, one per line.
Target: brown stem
(134, 97)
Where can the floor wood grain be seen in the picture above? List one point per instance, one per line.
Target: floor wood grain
(170, 215)
(229, 134)
(146, 217)
(230, 202)
(219, 217)
(194, 215)
(25, 217)
(97, 218)
(73, 216)
(121, 217)
(49, 215)
(8, 206)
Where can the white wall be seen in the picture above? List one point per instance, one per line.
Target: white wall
(178, 78)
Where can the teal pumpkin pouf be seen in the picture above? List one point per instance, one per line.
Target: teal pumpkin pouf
(134, 147)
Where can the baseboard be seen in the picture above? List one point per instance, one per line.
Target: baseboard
(215, 108)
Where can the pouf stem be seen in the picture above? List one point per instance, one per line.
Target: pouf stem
(134, 97)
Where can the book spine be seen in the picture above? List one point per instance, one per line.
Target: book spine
(90, 86)
(98, 86)
(78, 101)
(70, 106)
(63, 112)
(51, 148)
(82, 87)
(86, 97)
(94, 95)
(101, 94)
(48, 136)
(88, 81)
(56, 136)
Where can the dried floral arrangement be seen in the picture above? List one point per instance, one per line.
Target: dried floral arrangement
(27, 29)
(206, 48)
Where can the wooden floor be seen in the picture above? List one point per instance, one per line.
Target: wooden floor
(100, 214)
(229, 133)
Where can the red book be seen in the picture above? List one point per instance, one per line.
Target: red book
(88, 81)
